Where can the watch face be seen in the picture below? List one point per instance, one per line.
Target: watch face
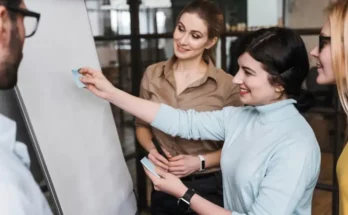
(183, 204)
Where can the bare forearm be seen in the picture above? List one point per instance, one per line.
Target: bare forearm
(144, 136)
(141, 108)
(205, 207)
(212, 160)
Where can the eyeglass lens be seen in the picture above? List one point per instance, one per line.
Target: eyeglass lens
(30, 25)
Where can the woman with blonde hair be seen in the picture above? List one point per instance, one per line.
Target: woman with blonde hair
(332, 64)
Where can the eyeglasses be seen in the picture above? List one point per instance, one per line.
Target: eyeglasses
(31, 19)
(323, 40)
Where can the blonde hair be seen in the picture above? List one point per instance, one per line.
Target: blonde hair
(338, 17)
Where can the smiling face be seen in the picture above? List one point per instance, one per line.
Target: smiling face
(190, 37)
(254, 85)
(322, 54)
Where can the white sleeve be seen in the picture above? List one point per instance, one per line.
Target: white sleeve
(12, 200)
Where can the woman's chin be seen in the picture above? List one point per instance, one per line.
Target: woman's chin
(181, 56)
(322, 80)
(245, 100)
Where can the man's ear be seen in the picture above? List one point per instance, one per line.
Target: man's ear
(4, 21)
(211, 43)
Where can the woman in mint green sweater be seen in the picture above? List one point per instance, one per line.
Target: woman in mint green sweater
(270, 159)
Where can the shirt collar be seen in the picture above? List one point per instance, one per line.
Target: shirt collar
(277, 111)
(8, 141)
(7, 132)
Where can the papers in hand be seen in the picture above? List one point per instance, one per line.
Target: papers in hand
(149, 166)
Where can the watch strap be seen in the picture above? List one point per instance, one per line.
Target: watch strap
(188, 195)
(184, 202)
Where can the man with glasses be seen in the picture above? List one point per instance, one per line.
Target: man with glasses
(19, 193)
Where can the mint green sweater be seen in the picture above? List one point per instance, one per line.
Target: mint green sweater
(270, 159)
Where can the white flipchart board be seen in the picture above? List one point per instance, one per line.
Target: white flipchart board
(74, 130)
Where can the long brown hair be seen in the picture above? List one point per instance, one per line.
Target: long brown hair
(212, 16)
(338, 17)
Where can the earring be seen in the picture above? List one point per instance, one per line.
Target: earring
(278, 90)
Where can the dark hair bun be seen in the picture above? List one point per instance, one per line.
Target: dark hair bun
(305, 100)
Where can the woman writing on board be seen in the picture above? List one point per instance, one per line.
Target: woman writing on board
(271, 159)
(189, 80)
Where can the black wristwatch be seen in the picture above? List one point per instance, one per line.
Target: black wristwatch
(184, 202)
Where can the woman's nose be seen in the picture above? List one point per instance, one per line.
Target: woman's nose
(237, 79)
(315, 52)
(184, 39)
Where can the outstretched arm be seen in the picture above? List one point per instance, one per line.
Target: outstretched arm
(186, 124)
(97, 83)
